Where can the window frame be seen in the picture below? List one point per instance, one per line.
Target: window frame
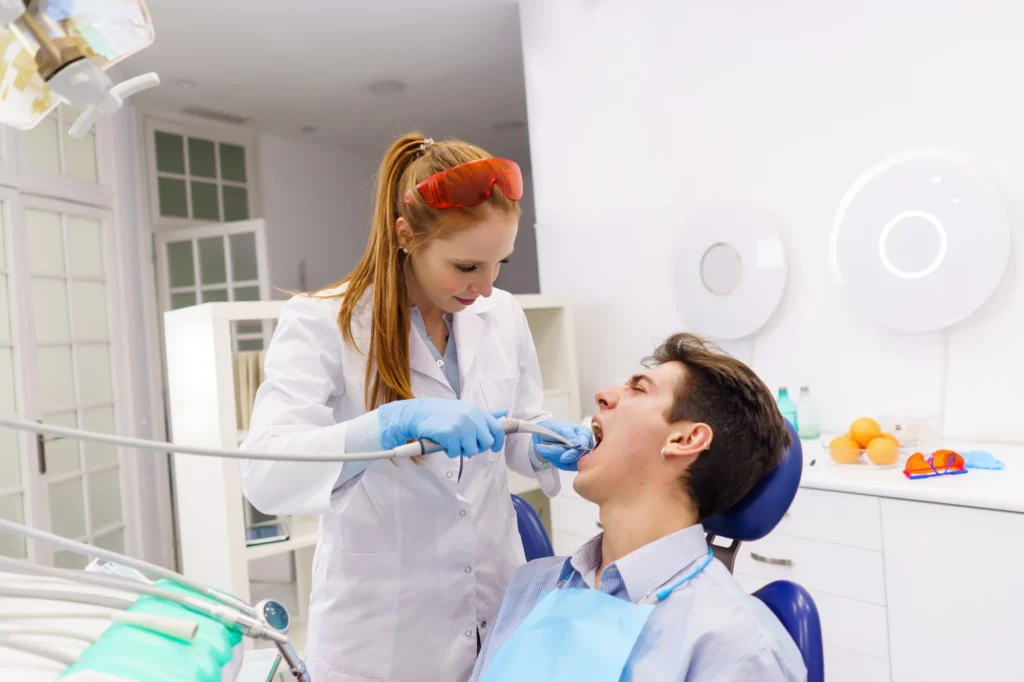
(256, 227)
(216, 134)
(43, 183)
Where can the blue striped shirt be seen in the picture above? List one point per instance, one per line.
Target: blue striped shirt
(708, 630)
(449, 362)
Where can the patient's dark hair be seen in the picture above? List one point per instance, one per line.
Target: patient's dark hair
(750, 435)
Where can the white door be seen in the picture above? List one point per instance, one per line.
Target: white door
(15, 472)
(61, 263)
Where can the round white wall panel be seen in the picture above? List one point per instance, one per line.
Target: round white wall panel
(920, 241)
(730, 271)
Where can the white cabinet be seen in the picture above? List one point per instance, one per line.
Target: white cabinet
(955, 593)
(831, 544)
(906, 591)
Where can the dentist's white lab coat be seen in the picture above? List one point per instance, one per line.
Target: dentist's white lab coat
(411, 559)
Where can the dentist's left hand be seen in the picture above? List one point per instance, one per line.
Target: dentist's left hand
(557, 454)
(461, 428)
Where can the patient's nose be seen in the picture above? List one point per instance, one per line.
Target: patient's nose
(606, 398)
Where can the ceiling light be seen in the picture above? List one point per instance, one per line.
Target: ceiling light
(386, 87)
(506, 126)
(308, 129)
(186, 83)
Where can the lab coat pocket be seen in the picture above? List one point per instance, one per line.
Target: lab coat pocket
(364, 519)
(356, 614)
(500, 394)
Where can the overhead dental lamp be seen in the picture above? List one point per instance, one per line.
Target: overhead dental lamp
(54, 51)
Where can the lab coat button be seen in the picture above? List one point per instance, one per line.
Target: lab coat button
(483, 625)
(440, 363)
(449, 474)
(469, 633)
(468, 569)
(462, 512)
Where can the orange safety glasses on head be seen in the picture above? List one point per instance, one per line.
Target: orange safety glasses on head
(470, 184)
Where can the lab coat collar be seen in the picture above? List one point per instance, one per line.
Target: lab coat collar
(470, 325)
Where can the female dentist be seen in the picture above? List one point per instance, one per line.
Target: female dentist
(412, 557)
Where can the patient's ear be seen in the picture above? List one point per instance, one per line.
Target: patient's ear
(688, 441)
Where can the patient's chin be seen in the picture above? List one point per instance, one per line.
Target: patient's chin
(584, 485)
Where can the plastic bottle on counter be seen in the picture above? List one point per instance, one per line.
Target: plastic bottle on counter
(807, 415)
(787, 407)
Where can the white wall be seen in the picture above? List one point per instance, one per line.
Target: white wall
(641, 110)
(519, 275)
(317, 202)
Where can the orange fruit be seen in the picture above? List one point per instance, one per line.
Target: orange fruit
(865, 430)
(882, 451)
(844, 449)
(889, 436)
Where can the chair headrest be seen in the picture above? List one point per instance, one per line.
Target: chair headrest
(760, 511)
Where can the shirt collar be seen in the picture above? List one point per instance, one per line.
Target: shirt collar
(646, 569)
(418, 316)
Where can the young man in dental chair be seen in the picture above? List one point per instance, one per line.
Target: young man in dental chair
(644, 601)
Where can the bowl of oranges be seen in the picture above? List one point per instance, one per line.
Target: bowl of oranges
(866, 445)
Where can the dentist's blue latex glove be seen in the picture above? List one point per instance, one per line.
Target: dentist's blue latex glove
(557, 454)
(461, 428)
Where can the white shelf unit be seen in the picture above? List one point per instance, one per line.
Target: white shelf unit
(201, 386)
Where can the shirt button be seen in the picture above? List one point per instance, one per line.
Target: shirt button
(449, 474)
(469, 633)
(483, 625)
(468, 569)
(462, 512)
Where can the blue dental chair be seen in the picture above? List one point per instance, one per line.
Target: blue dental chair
(751, 519)
(535, 539)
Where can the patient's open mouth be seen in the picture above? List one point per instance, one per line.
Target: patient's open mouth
(598, 433)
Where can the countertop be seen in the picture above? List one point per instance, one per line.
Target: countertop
(999, 490)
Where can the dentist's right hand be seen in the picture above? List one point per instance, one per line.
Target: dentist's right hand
(461, 428)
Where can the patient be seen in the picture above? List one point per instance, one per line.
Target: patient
(675, 445)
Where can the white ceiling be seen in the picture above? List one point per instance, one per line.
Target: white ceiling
(287, 64)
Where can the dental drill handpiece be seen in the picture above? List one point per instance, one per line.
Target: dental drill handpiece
(425, 446)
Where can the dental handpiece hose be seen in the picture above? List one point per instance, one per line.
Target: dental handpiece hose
(419, 447)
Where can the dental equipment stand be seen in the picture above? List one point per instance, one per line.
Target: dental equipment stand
(268, 619)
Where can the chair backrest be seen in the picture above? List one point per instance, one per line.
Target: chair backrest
(754, 517)
(760, 511)
(793, 606)
(535, 538)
